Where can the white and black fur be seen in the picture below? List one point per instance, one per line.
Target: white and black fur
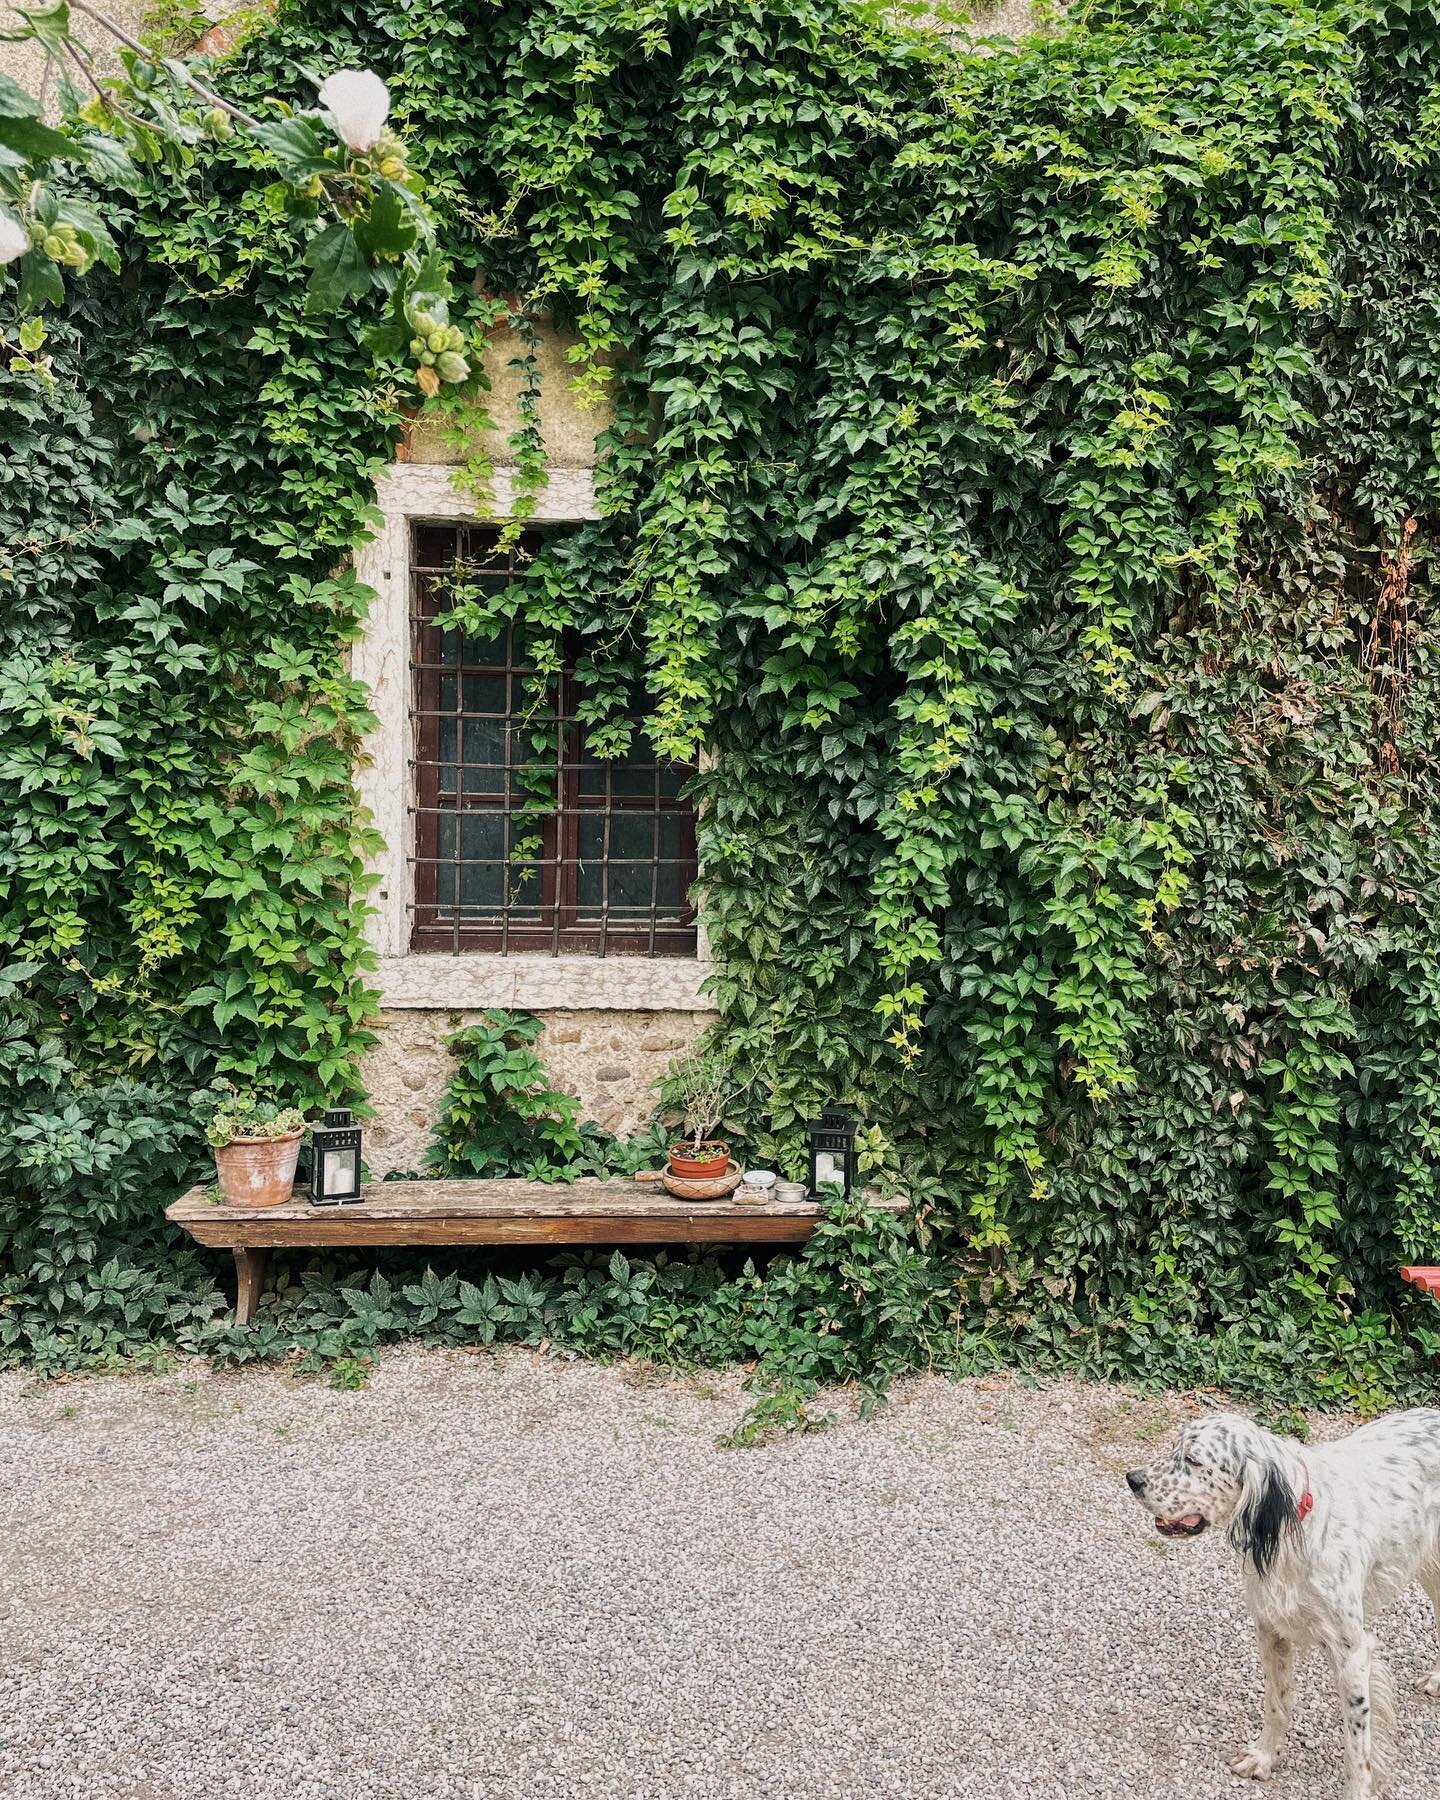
(1373, 1528)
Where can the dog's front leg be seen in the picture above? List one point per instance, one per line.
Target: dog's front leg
(1350, 1654)
(1278, 1658)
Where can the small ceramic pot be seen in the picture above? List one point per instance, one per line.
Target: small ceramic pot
(258, 1171)
(761, 1179)
(789, 1192)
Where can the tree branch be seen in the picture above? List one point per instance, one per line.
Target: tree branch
(118, 32)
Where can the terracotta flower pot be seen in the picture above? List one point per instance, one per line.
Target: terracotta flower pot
(258, 1171)
(690, 1163)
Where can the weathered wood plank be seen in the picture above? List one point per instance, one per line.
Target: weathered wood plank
(587, 1228)
(498, 1212)
(249, 1282)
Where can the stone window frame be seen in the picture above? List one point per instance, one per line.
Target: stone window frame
(429, 979)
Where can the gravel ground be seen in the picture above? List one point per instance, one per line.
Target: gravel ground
(512, 1577)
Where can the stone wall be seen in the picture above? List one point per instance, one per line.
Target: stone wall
(610, 1060)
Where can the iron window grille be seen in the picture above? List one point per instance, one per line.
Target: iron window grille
(522, 840)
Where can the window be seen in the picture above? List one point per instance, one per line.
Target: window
(523, 842)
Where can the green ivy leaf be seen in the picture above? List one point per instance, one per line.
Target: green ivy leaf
(41, 283)
(341, 271)
(27, 137)
(47, 25)
(297, 148)
(388, 230)
(108, 160)
(15, 102)
(91, 230)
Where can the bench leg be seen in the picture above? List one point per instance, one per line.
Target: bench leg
(249, 1280)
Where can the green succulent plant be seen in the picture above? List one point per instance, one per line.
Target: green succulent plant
(242, 1113)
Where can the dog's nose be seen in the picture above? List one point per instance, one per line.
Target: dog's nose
(1135, 1478)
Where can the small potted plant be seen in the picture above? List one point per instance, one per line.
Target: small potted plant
(256, 1144)
(701, 1087)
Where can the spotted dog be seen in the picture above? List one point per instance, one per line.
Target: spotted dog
(1329, 1538)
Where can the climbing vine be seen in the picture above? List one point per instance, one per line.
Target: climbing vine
(1017, 470)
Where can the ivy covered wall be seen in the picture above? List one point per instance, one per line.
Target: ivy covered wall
(1022, 474)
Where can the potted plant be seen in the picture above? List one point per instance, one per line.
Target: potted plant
(256, 1144)
(701, 1087)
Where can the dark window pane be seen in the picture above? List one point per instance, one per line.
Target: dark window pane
(434, 546)
(484, 694)
(633, 781)
(633, 775)
(484, 759)
(626, 882)
(447, 730)
(524, 643)
(470, 871)
(480, 652)
(631, 778)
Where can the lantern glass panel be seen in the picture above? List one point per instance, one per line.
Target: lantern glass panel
(342, 1171)
(829, 1166)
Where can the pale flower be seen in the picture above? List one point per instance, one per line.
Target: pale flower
(358, 102)
(14, 238)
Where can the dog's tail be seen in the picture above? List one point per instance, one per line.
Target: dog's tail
(1383, 1722)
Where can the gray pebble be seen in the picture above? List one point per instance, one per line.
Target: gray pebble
(508, 1577)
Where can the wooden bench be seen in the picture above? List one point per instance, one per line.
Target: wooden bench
(589, 1211)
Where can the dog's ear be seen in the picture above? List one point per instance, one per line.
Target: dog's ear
(1266, 1512)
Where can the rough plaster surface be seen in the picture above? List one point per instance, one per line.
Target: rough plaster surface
(1009, 19)
(610, 1060)
(568, 430)
(25, 63)
(536, 983)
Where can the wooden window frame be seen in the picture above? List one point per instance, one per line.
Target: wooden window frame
(557, 923)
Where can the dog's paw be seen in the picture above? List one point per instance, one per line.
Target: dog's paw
(1429, 1683)
(1254, 1764)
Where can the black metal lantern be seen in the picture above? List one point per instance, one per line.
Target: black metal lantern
(335, 1159)
(832, 1151)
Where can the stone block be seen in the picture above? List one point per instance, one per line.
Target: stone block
(406, 1070)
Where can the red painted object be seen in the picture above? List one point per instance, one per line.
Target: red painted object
(713, 1161)
(1427, 1279)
